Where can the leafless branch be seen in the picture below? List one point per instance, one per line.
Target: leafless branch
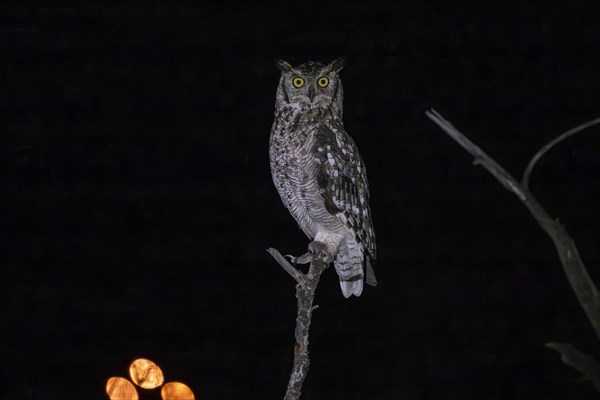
(577, 274)
(586, 364)
(552, 143)
(305, 293)
(294, 273)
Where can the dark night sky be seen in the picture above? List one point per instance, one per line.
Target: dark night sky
(139, 203)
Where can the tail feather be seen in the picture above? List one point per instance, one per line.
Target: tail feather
(349, 266)
(357, 287)
(371, 280)
(347, 289)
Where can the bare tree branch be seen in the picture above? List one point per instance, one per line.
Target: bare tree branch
(294, 273)
(552, 143)
(587, 365)
(577, 274)
(305, 293)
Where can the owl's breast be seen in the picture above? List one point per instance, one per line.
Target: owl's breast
(294, 170)
(294, 164)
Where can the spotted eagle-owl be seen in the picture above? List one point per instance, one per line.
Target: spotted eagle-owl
(318, 171)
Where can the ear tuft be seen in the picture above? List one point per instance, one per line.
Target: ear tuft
(338, 64)
(283, 66)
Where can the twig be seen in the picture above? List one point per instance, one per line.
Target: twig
(587, 365)
(552, 143)
(294, 273)
(305, 293)
(577, 274)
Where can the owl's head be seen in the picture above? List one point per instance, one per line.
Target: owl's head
(312, 85)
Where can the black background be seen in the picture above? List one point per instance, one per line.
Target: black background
(139, 203)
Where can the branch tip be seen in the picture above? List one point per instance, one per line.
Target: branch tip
(289, 268)
(551, 144)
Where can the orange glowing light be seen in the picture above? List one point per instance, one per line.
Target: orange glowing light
(176, 391)
(121, 389)
(146, 374)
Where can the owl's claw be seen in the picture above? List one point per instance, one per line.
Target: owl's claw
(320, 250)
(315, 250)
(291, 258)
(303, 259)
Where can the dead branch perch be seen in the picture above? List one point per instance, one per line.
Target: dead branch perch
(577, 274)
(305, 293)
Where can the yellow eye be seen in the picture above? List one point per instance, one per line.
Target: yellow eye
(298, 82)
(323, 82)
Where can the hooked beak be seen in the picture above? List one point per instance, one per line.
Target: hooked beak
(311, 93)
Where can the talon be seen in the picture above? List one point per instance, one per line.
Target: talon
(291, 258)
(304, 258)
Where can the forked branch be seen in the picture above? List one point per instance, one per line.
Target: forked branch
(573, 266)
(305, 293)
(577, 274)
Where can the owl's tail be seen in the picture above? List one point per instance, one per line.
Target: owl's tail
(349, 266)
(351, 288)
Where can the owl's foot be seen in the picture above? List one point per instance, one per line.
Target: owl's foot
(319, 250)
(303, 259)
(319, 257)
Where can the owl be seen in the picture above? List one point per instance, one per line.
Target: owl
(318, 172)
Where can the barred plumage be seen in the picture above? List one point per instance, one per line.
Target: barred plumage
(318, 171)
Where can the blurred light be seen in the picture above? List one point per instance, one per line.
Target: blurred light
(146, 374)
(121, 389)
(176, 391)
